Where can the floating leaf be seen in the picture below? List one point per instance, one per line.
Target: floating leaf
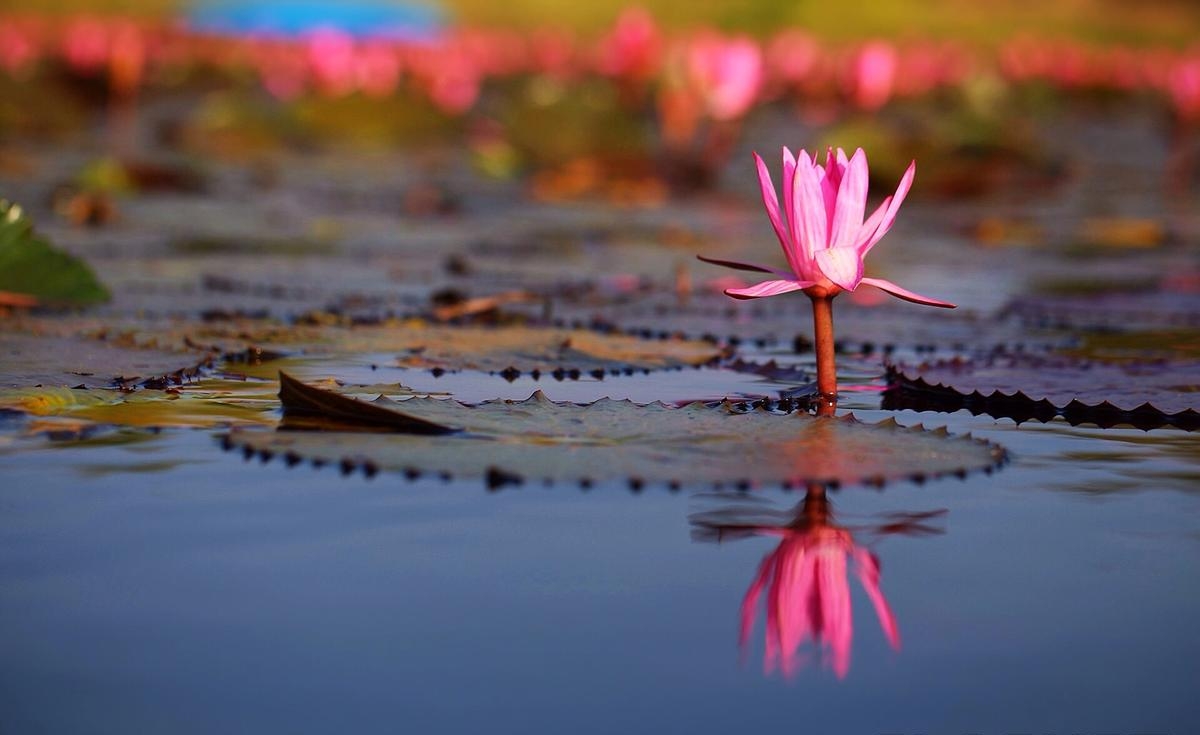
(358, 373)
(30, 265)
(1139, 346)
(65, 359)
(508, 442)
(527, 348)
(417, 344)
(323, 406)
(202, 404)
(1143, 309)
(1022, 387)
(867, 317)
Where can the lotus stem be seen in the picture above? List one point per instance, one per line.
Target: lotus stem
(826, 365)
(815, 507)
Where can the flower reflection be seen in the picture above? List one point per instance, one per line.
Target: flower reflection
(805, 580)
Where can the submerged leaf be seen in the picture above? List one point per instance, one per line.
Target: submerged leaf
(540, 440)
(30, 265)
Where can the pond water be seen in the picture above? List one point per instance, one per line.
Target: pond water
(153, 581)
(167, 585)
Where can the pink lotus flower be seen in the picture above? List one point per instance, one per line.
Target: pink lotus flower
(377, 66)
(793, 55)
(633, 48)
(821, 229)
(874, 73)
(86, 45)
(18, 46)
(809, 597)
(331, 58)
(727, 73)
(1183, 85)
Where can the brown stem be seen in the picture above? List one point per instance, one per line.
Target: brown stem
(813, 511)
(826, 366)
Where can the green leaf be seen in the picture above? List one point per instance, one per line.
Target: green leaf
(204, 403)
(30, 265)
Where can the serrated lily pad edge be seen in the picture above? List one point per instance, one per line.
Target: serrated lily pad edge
(497, 477)
(906, 392)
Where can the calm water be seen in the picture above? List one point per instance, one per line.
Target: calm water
(163, 585)
(167, 586)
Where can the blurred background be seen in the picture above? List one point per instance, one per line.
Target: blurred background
(1098, 20)
(655, 96)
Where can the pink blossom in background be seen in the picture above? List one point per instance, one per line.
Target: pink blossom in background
(723, 76)
(127, 60)
(1183, 85)
(726, 72)
(282, 68)
(19, 46)
(633, 48)
(1122, 68)
(377, 68)
(874, 75)
(1154, 66)
(450, 79)
(331, 61)
(488, 52)
(922, 68)
(1024, 58)
(85, 45)
(807, 595)
(552, 52)
(792, 56)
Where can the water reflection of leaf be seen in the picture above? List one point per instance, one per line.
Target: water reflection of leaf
(1126, 461)
(100, 469)
(805, 579)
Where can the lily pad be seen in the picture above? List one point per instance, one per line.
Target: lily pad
(31, 265)
(61, 358)
(509, 442)
(417, 344)
(862, 319)
(206, 403)
(1144, 394)
(1141, 310)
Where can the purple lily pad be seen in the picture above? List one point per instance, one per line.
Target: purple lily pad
(1145, 394)
(55, 360)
